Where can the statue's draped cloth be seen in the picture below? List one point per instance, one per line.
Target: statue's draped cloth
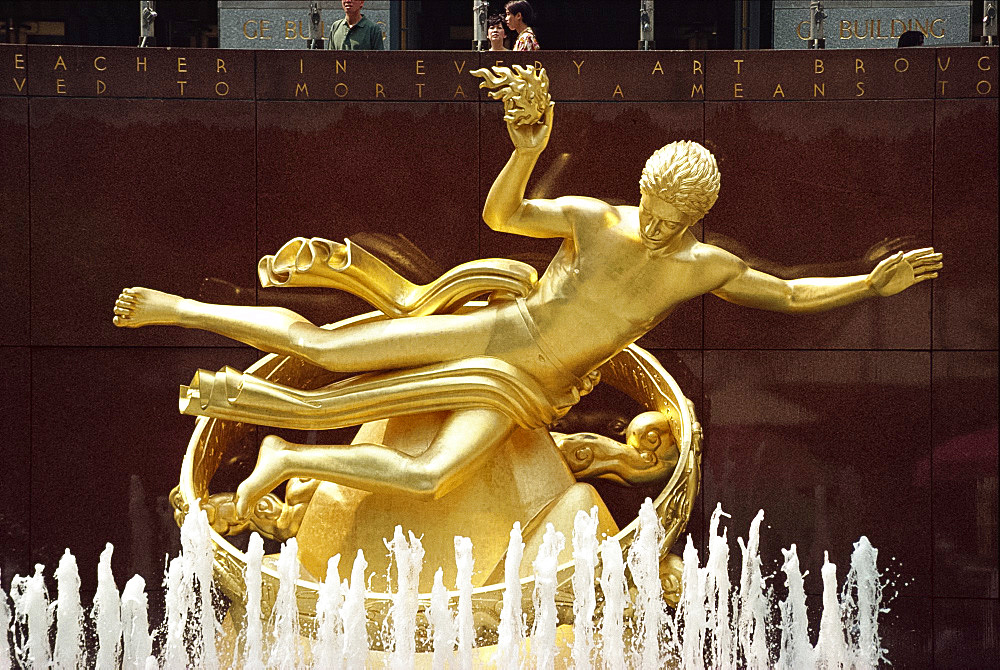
(467, 383)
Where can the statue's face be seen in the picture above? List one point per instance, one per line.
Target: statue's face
(660, 222)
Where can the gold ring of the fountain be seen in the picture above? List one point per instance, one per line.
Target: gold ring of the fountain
(634, 371)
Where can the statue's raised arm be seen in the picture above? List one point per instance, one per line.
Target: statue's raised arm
(528, 113)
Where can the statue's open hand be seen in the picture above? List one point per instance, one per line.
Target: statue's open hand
(901, 271)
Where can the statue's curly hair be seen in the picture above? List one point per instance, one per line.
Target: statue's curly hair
(684, 174)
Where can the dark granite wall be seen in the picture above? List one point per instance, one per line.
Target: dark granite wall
(876, 419)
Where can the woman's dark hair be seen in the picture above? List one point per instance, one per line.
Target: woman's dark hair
(523, 8)
(911, 38)
(496, 20)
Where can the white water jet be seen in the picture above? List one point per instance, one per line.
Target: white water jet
(691, 615)
(196, 543)
(284, 652)
(865, 579)
(107, 612)
(253, 642)
(5, 659)
(175, 655)
(717, 595)
(68, 652)
(137, 645)
(616, 597)
(546, 566)
(31, 617)
(409, 559)
(644, 565)
(328, 651)
(442, 624)
(353, 614)
(831, 646)
(463, 581)
(510, 632)
(795, 650)
(584, 595)
(752, 612)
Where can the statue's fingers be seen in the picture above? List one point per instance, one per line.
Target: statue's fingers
(924, 277)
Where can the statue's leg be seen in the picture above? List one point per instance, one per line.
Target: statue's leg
(465, 439)
(360, 347)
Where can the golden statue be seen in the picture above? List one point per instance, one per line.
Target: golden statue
(453, 397)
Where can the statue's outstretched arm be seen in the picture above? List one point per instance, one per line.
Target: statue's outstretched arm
(752, 288)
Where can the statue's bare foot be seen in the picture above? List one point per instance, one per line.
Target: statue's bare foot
(268, 473)
(138, 306)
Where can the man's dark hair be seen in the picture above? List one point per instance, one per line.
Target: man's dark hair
(523, 8)
(911, 38)
(496, 20)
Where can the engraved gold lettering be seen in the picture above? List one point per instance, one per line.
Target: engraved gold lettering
(818, 66)
(538, 65)
(696, 67)
(845, 30)
(878, 33)
(697, 88)
(979, 87)
(859, 65)
(578, 66)
(861, 89)
(656, 68)
(778, 91)
(458, 67)
(420, 66)
(182, 65)
(303, 87)
(20, 87)
(101, 87)
(340, 89)
(892, 32)
(220, 65)
(906, 64)
(301, 67)
(921, 27)
(942, 82)
(819, 89)
(980, 63)
(618, 91)
(97, 67)
(459, 91)
(943, 66)
(265, 25)
(498, 63)
(341, 66)
(253, 25)
(18, 61)
(420, 89)
(140, 62)
(60, 61)
(379, 90)
(931, 28)
(739, 63)
(181, 84)
(798, 30)
(289, 30)
(222, 89)
(61, 86)
(737, 90)
(858, 34)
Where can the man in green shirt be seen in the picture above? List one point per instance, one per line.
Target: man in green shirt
(354, 32)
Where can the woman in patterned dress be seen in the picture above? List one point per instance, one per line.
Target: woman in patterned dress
(519, 18)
